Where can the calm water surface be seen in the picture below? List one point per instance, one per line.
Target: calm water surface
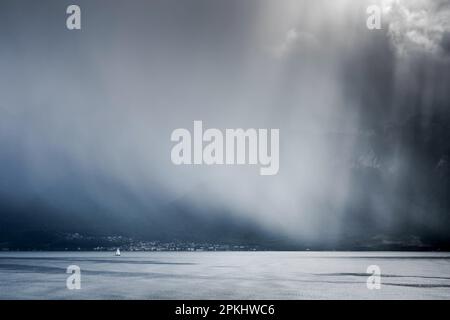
(224, 275)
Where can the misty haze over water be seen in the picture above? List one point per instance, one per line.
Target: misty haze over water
(364, 120)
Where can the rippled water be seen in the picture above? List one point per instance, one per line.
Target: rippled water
(225, 275)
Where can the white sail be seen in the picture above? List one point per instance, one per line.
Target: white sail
(117, 252)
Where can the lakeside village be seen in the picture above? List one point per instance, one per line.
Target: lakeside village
(176, 246)
(79, 242)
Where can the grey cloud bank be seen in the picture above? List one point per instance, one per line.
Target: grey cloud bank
(364, 150)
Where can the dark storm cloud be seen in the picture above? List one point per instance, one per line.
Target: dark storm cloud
(87, 115)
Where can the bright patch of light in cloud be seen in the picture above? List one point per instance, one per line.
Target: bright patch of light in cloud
(418, 25)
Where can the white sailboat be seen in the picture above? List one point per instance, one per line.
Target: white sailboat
(117, 253)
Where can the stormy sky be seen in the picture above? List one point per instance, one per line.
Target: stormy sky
(86, 118)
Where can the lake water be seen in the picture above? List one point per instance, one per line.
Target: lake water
(225, 275)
